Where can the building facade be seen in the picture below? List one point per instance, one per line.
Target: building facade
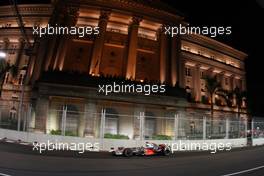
(131, 45)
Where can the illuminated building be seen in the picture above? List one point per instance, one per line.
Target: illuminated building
(131, 45)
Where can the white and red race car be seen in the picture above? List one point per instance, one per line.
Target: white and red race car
(148, 150)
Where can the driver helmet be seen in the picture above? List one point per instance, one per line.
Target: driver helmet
(149, 145)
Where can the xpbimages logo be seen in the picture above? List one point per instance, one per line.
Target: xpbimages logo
(212, 147)
(146, 89)
(80, 147)
(212, 31)
(81, 31)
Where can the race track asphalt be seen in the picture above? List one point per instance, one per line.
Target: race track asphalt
(17, 160)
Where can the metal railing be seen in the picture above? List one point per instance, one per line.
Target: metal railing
(139, 126)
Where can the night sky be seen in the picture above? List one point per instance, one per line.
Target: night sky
(246, 18)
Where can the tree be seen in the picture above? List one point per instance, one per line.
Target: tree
(213, 87)
(239, 96)
(6, 67)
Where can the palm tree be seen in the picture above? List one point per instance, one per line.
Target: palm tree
(239, 96)
(213, 87)
(3, 66)
(6, 67)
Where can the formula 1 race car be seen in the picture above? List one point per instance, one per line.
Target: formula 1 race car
(149, 150)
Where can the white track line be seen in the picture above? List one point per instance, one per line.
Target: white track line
(244, 171)
(1, 174)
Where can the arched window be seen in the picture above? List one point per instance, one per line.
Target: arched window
(12, 113)
(72, 119)
(111, 121)
(150, 125)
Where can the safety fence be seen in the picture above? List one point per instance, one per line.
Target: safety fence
(115, 128)
(137, 126)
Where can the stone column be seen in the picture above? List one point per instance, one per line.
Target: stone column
(222, 80)
(6, 44)
(132, 50)
(51, 61)
(81, 124)
(90, 120)
(5, 50)
(163, 55)
(176, 126)
(233, 82)
(19, 52)
(99, 43)
(39, 60)
(197, 83)
(204, 128)
(175, 53)
(182, 73)
(42, 109)
(137, 125)
(227, 128)
(32, 61)
(71, 19)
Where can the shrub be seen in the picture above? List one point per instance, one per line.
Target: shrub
(204, 100)
(9, 123)
(115, 136)
(218, 102)
(58, 132)
(161, 137)
(70, 133)
(55, 132)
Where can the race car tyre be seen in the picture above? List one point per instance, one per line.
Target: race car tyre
(128, 152)
(113, 153)
(166, 152)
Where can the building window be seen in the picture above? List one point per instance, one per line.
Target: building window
(199, 52)
(149, 127)
(111, 125)
(188, 71)
(12, 113)
(72, 119)
(226, 81)
(203, 86)
(114, 30)
(13, 49)
(188, 82)
(186, 48)
(21, 79)
(201, 74)
(7, 25)
(111, 121)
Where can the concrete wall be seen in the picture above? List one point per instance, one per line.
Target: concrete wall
(258, 141)
(106, 144)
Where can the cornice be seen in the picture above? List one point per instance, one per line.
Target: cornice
(15, 32)
(132, 7)
(215, 45)
(27, 9)
(197, 58)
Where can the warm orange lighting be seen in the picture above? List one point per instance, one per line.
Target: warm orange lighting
(141, 80)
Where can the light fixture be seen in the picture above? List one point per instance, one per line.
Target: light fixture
(2, 54)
